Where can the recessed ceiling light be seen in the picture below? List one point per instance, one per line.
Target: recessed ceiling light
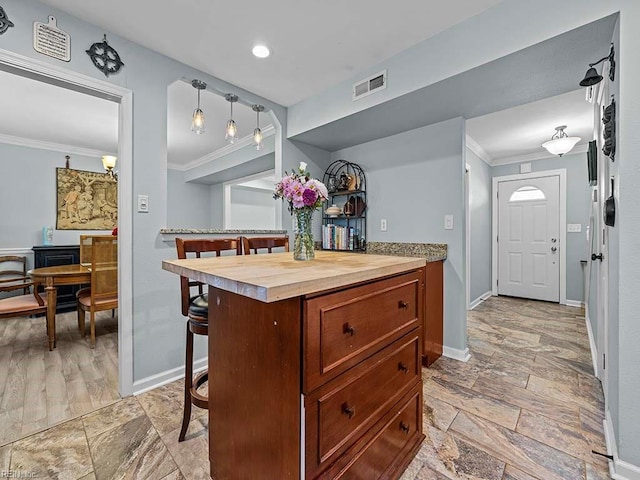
(261, 51)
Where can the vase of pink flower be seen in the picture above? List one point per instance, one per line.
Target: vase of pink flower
(304, 195)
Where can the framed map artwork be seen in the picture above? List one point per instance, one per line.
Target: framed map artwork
(85, 200)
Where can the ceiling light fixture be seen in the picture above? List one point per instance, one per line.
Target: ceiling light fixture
(231, 134)
(197, 122)
(109, 164)
(261, 51)
(560, 142)
(592, 77)
(257, 133)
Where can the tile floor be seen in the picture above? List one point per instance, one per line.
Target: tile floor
(526, 406)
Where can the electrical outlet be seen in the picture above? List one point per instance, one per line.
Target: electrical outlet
(448, 222)
(383, 224)
(143, 203)
(574, 227)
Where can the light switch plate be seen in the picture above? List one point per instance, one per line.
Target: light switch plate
(383, 224)
(143, 203)
(574, 227)
(448, 222)
(525, 168)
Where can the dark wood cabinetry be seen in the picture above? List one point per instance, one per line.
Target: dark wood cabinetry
(433, 316)
(51, 256)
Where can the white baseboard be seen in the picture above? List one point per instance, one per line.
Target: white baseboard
(574, 303)
(479, 300)
(159, 379)
(456, 353)
(618, 469)
(592, 345)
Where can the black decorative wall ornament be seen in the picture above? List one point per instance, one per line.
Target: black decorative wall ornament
(5, 23)
(609, 133)
(105, 58)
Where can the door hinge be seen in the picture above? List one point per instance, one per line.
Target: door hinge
(497, 282)
(497, 239)
(604, 361)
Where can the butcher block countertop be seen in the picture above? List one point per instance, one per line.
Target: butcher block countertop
(277, 276)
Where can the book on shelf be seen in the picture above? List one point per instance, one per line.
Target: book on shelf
(336, 237)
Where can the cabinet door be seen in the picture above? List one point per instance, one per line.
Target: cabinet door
(433, 318)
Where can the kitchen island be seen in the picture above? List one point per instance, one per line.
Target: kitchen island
(314, 367)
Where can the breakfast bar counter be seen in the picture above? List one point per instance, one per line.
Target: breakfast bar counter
(314, 367)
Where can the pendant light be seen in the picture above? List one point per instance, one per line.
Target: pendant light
(197, 122)
(109, 164)
(592, 77)
(231, 134)
(560, 142)
(257, 133)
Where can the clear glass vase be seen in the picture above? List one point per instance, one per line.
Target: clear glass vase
(303, 247)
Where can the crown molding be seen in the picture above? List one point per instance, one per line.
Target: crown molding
(532, 157)
(478, 150)
(55, 147)
(222, 152)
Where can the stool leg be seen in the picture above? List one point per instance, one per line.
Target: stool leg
(188, 381)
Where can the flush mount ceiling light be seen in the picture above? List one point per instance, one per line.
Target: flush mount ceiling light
(109, 164)
(592, 77)
(231, 134)
(261, 51)
(257, 133)
(197, 122)
(560, 142)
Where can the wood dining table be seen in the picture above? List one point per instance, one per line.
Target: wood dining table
(52, 277)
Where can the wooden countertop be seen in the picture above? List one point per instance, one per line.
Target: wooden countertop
(276, 276)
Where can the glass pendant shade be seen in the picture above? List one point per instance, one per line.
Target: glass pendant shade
(109, 162)
(197, 122)
(257, 138)
(231, 134)
(560, 143)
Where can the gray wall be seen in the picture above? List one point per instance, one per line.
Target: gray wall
(28, 195)
(252, 208)
(413, 180)
(480, 231)
(189, 204)
(578, 210)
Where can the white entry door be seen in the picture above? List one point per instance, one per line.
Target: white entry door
(528, 238)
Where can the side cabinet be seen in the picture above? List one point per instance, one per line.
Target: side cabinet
(51, 256)
(433, 318)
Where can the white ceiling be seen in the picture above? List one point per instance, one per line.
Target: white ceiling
(315, 43)
(184, 146)
(523, 129)
(52, 114)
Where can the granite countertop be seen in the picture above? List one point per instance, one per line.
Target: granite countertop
(221, 231)
(432, 252)
(278, 276)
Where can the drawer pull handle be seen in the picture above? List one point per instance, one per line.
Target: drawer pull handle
(403, 367)
(347, 410)
(346, 328)
(403, 305)
(404, 427)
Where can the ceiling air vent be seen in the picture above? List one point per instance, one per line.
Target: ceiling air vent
(370, 85)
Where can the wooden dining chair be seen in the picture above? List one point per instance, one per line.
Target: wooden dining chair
(103, 292)
(254, 245)
(13, 273)
(29, 303)
(196, 309)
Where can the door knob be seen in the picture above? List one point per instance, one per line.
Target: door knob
(595, 257)
(554, 249)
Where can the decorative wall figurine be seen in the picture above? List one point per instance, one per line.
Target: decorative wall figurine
(5, 23)
(105, 58)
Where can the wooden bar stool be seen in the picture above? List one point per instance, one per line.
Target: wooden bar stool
(196, 309)
(252, 245)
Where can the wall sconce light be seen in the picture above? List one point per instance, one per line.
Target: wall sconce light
(197, 122)
(592, 77)
(109, 164)
(231, 134)
(560, 142)
(257, 133)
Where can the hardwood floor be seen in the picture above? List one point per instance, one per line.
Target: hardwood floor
(38, 388)
(526, 406)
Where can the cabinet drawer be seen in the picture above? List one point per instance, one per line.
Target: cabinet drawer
(343, 328)
(340, 412)
(385, 451)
